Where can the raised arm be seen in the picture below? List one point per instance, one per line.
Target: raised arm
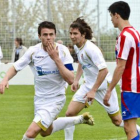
(67, 75)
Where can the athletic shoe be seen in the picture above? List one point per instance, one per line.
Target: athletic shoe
(87, 118)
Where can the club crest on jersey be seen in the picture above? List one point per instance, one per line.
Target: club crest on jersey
(82, 57)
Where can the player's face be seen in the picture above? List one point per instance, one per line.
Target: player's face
(76, 37)
(47, 35)
(16, 44)
(114, 19)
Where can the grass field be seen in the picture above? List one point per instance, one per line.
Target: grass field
(17, 112)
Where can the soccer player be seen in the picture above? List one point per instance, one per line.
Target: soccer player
(127, 69)
(51, 64)
(96, 76)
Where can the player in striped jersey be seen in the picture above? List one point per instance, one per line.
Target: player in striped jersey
(128, 68)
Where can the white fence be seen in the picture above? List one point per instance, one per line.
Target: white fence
(25, 77)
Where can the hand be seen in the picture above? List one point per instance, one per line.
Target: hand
(3, 84)
(75, 86)
(107, 97)
(90, 96)
(52, 51)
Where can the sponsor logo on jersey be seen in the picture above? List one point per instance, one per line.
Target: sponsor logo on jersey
(42, 72)
(39, 56)
(86, 66)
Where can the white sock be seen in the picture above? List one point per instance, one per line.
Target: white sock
(65, 122)
(122, 124)
(69, 133)
(26, 138)
(138, 128)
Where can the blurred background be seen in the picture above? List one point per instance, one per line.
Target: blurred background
(20, 18)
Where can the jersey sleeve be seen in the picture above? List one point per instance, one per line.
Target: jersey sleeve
(24, 60)
(96, 56)
(67, 58)
(124, 46)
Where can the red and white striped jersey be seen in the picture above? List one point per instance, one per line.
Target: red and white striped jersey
(128, 48)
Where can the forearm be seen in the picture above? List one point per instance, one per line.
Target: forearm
(100, 78)
(78, 73)
(67, 75)
(10, 74)
(116, 77)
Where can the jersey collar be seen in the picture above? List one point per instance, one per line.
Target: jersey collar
(83, 45)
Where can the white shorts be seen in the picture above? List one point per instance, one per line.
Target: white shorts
(99, 96)
(46, 110)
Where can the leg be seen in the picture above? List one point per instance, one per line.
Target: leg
(64, 122)
(73, 109)
(32, 132)
(116, 119)
(130, 128)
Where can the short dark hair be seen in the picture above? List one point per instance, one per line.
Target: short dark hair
(46, 24)
(19, 40)
(122, 8)
(83, 27)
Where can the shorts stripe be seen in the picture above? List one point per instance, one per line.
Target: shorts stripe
(115, 114)
(41, 126)
(123, 102)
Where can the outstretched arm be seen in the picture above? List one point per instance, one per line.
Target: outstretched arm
(10, 74)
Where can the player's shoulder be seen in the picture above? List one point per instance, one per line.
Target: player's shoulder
(35, 48)
(62, 47)
(89, 46)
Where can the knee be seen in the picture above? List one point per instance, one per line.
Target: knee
(30, 134)
(70, 113)
(117, 122)
(44, 134)
(47, 132)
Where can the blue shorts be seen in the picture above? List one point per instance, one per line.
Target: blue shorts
(130, 105)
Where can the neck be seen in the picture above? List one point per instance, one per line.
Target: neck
(18, 46)
(80, 44)
(124, 24)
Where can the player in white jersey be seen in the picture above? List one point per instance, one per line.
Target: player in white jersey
(51, 64)
(96, 76)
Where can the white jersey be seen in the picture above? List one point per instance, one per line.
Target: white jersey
(48, 81)
(92, 60)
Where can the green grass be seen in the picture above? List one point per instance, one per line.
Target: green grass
(17, 112)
